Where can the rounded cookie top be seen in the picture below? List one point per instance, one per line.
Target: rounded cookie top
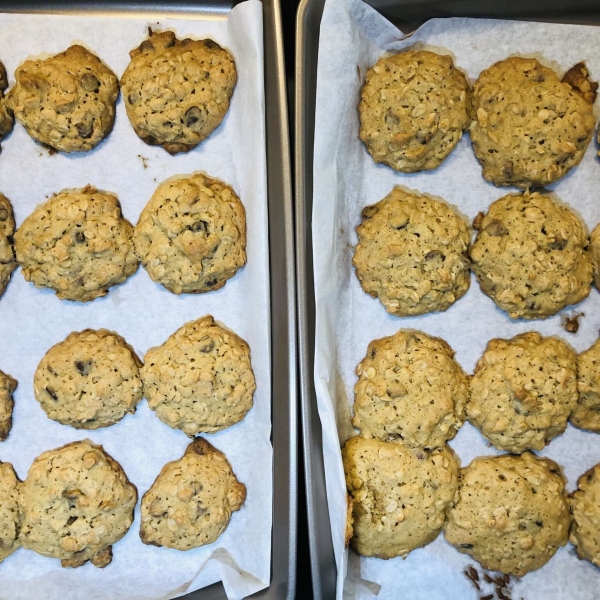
(511, 513)
(66, 101)
(199, 77)
(8, 262)
(200, 379)
(191, 501)
(10, 512)
(413, 110)
(6, 117)
(400, 495)
(410, 388)
(7, 386)
(77, 243)
(587, 413)
(76, 502)
(191, 236)
(412, 254)
(523, 391)
(585, 508)
(531, 257)
(529, 128)
(89, 380)
(594, 249)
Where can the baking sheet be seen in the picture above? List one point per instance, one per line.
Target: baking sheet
(32, 320)
(352, 37)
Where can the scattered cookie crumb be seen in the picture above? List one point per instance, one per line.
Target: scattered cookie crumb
(489, 585)
(144, 161)
(570, 323)
(477, 221)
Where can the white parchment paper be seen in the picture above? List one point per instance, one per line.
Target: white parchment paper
(32, 320)
(353, 36)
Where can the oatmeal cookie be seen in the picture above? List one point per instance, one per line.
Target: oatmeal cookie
(177, 92)
(10, 512)
(191, 501)
(89, 380)
(77, 243)
(200, 379)
(67, 101)
(585, 508)
(400, 495)
(76, 503)
(7, 386)
(413, 110)
(523, 391)
(594, 249)
(6, 117)
(8, 262)
(191, 236)
(530, 128)
(412, 254)
(410, 388)
(531, 256)
(587, 413)
(511, 512)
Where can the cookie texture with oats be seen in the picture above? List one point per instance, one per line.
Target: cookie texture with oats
(511, 512)
(523, 391)
(191, 501)
(585, 508)
(76, 503)
(412, 254)
(77, 243)
(8, 262)
(587, 413)
(530, 256)
(89, 380)
(10, 511)
(7, 386)
(413, 110)
(177, 92)
(67, 101)
(6, 117)
(530, 128)
(594, 249)
(410, 388)
(400, 495)
(200, 379)
(191, 236)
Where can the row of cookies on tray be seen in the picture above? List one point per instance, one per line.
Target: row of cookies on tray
(190, 237)
(176, 92)
(532, 254)
(200, 380)
(77, 501)
(528, 127)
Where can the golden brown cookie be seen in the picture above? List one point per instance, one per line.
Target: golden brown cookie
(6, 116)
(587, 413)
(10, 512)
(8, 262)
(585, 507)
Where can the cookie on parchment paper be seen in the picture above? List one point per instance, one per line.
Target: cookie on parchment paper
(7, 386)
(89, 380)
(6, 116)
(410, 388)
(76, 503)
(523, 391)
(587, 413)
(10, 512)
(531, 256)
(177, 92)
(8, 262)
(530, 128)
(585, 508)
(594, 249)
(511, 512)
(400, 495)
(200, 379)
(77, 243)
(191, 236)
(191, 501)
(413, 110)
(67, 101)
(412, 253)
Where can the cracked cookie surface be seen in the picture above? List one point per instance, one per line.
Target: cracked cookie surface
(410, 388)
(10, 512)
(530, 256)
(67, 101)
(89, 380)
(529, 128)
(177, 92)
(413, 110)
(77, 243)
(200, 379)
(7, 386)
(511, 512)
(191, 236)
(585, 507)
(412, 254)
(400, 495)
(76, 503)
(191, 501)
(523, 391)
(8, 263)
(587, 413)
